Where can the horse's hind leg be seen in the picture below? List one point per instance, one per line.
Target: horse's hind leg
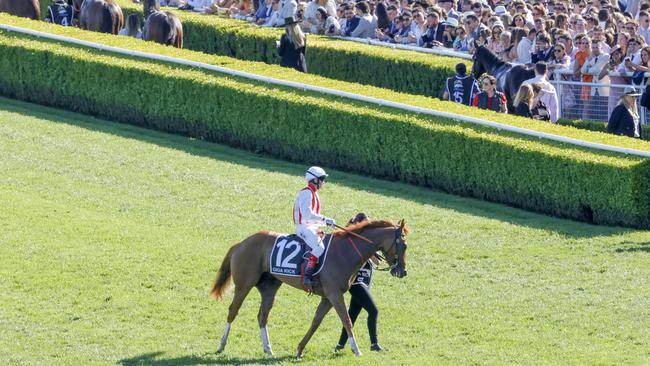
(238, 299)
(268, 286)
(323, 307)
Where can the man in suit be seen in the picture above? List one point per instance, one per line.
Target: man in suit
(351, 21)
(433, 36)
(544, 49)
(366, 27)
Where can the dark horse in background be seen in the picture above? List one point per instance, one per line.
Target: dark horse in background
(509, 76)
(103, 16)
(21, 8)
(161, 26)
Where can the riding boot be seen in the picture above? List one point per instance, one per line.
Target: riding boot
(310, 267)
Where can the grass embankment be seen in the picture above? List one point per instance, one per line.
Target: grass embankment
(111, 236)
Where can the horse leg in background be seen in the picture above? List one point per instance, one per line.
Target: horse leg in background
(339, 305)
(323, 307)
(238, 299)
(268, 286)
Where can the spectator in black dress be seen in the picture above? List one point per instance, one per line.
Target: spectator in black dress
(293, 45)
(361, 298)
(625, 117)
(523, 101)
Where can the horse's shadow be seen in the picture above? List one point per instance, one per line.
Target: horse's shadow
(412, 193)
(157, 359)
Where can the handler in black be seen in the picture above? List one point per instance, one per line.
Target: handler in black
(361, 298)
(293, 45)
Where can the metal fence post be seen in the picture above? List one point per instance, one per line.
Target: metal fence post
(558, 91)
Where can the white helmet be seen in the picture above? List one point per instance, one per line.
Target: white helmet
(315, 172)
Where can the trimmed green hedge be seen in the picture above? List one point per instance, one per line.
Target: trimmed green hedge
(291, 75)
(471, 160)
(404, 71)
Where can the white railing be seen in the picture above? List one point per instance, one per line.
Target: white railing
(573, 105)
(328, 91)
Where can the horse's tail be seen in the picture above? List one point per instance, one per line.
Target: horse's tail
(223, 276)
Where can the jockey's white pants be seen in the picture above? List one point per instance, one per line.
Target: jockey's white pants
(311, 236)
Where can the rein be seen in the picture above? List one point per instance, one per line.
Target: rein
(354, 234)
(379, 256)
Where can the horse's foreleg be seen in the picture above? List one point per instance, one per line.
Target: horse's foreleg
(323, 307)
(339, 305)
(268, 287)
(238, 299)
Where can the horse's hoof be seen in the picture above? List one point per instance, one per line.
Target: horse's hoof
(220, 350)
(269, 351)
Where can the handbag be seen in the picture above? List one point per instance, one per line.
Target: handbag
(541, 111)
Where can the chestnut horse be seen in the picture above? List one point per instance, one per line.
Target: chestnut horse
(161, 26)
(247, 265)
(98, 15)
(21, 8)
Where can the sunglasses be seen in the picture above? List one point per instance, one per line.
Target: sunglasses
(558, 50)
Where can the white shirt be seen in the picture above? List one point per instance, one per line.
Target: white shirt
(523, 51)
(645, 33)
(288, 9)
(306, 208)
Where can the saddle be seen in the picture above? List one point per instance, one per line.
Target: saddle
(288, 254)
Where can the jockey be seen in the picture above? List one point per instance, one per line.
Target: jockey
(308, 219)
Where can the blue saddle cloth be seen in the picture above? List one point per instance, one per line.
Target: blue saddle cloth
(289, 252)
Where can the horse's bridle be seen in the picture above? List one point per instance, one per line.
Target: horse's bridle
(399, 239)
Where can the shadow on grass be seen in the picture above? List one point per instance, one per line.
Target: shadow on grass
(640, 247)
(220, 152)
(155, 359)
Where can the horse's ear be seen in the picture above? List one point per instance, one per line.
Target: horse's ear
(401, 224)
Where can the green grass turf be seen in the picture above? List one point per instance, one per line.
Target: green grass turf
(111, 235)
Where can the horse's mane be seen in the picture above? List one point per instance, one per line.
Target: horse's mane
(490, 57)
(366, 225)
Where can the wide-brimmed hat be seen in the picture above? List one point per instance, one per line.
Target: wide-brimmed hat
(291, 20)
(500, 10)
(631, 92)
(451, 22)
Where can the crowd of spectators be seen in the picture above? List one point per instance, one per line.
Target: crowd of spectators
(586, 39)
